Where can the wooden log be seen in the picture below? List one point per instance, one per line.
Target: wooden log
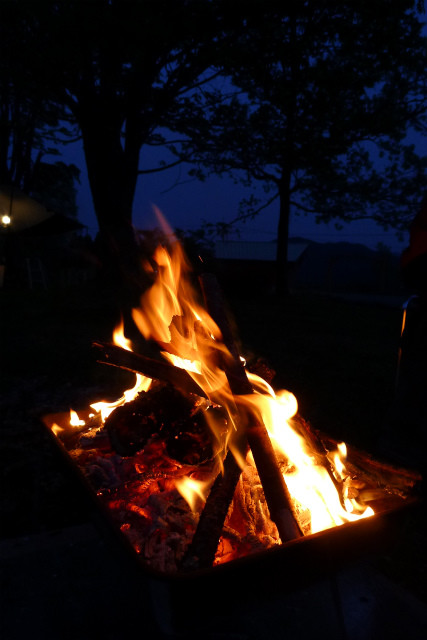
(321, 454)
(275, 489)
(116, 356)
(201, 552)
(376, 471)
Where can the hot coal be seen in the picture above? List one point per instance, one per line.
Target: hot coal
(261, 368)
(164, 413)
(140, 494)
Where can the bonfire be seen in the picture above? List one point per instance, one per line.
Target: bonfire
(202, 462)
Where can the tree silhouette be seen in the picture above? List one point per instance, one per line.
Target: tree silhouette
(320, 100)
(317, 106)
(30, 122)
(121, 68)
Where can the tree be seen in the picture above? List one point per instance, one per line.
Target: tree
(30, 122)
(120, 68)
(320, 100)
(55, 186)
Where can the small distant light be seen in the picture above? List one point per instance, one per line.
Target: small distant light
(5, 220)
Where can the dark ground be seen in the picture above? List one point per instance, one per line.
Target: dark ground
(62, 578)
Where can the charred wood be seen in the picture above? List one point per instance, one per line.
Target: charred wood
(375, 472)
(163, 413)
(320, 452)
(122, 358)
(202, 550)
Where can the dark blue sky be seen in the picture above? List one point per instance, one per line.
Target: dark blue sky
(186, 203)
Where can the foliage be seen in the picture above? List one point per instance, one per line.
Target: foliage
(55, 186)
(122, 66)
(319, 103)
(119, 69)
(312, 99)
(113, 70)
(30, 121)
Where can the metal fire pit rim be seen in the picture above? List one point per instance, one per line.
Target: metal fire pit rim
(363, 531)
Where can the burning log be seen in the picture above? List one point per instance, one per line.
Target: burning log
(164, 413)
(321, 454)
(153, 490)
(116, 356)
(203, 547)
(202, 550)
(275, 489)
(167, 460)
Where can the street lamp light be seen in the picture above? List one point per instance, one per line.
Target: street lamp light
(5, 223)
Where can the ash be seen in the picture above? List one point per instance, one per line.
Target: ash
(140, 495)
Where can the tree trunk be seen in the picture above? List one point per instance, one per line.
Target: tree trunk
(112, 172)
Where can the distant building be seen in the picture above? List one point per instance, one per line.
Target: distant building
(38, 247)
(329, 267)
(251, 266)
(347, 267)
(257, 251)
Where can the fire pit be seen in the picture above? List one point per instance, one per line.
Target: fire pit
(391, 493)
(208, 475)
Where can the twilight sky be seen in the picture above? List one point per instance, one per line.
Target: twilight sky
(186, 203)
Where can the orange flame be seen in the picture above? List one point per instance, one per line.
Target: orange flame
(141, 384)
(75, 420)
(192, 490)
(74, 423)
(171, 314)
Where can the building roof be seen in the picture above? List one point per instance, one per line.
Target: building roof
(263, 251)
(27, 216)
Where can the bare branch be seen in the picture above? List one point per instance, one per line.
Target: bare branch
(67, 140)
(162, 168)
(251, 214)
(201, 83)
(166, 142)
(178, 183)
